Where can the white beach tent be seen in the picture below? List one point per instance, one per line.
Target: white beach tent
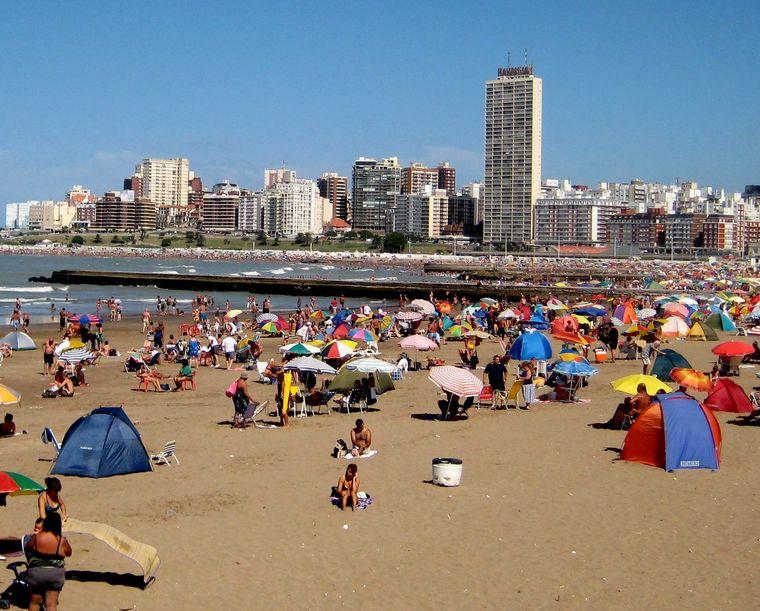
(18, 340)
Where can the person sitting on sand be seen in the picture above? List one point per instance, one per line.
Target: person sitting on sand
(185, 374)
(450, 406)
(361, 438)
(62, 384)
(6, 350)
(558, 393)
(50, 500)
(348, 487)
(79, 375)
(626, 409)
(8, 427)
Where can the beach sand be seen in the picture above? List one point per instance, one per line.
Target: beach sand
(544, 516)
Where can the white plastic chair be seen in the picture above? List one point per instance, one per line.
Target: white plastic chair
(170, 447)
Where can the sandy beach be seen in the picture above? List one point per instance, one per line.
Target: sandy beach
(544, 517)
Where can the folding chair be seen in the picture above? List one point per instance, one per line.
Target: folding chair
(189, 381)
(253, 410)
(486, 396)
(170, 447)
(49, 437)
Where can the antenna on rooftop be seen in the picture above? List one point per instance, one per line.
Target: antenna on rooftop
(509, 59)
(526, 56)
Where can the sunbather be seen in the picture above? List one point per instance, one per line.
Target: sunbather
(8, 427)
(152, 377)
(62, 385)
(348, 487)
(361, 438)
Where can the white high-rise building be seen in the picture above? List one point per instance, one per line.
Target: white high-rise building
(165, 181)
(512, 155)
(293, 207)
(250, 211)
(17, 214)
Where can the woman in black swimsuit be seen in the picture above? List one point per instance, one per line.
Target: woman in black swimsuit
(50, 500)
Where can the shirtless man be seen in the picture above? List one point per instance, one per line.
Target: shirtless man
(361, 438)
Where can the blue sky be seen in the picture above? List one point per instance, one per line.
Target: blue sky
(656, 90)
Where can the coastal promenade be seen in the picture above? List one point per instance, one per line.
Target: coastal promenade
(316, 286)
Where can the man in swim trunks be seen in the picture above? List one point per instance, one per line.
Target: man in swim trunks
(361, 438)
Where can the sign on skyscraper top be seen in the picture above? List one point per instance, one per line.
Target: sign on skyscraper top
(516, 71)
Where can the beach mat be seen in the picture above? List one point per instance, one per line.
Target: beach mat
(143, 554)
(349, 456)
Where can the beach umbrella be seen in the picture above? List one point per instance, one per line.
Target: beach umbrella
(362, 335)
(570, 338)
(647, 313)
(508, 313)
(370, 365)
(460, 330)
(268, 317)
(341, 331)
(310, 365)
(665, 362)
(688, 301)
(478, 334)
(88, 319)
(8, 396)
(590, 309)
(407, 316)
(732, 349)
(299, 348)
(444, 307)
(386, 322)
(676, 309)
(457, 381)
(423, 306)
(317, 315)
(555, 304)
(629, 384)
(15, 484)
(362, 319)
(727, 396)
(418, 342)
(531, 345)
(675, 326)
(581, 320)
(338, 349)
(233, 313)
(270, 327)
(574, 368)
(570, 354)
(696, 380)
(75, 355)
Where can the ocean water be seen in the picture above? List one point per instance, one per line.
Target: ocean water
(36, 298)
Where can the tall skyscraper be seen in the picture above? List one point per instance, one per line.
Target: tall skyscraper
(335, 188)
(376, 184)
(513, 155)
(164, 181)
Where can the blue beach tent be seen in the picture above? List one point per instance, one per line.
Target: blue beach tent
(102, 444)
(675, 432)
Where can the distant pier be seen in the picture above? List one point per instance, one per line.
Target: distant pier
(316, 286)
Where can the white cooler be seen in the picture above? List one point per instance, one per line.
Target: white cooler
(447, 471)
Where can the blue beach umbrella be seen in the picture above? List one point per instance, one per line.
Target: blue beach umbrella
(574, 368)
(531, 345)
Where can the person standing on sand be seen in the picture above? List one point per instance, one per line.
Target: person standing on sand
(146, 322)
(47, 551)
(48, 356)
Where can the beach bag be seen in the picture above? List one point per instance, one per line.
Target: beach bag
(49, 393)
(231, 389)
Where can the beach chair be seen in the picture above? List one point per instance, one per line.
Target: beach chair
(261, 367)
(188, 382)
(48, 437)
(513, 396)
(253, 410)
(325, 397)
(356, 399)
(169, 451)
(486, 396)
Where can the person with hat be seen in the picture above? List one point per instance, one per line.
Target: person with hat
(240, 399)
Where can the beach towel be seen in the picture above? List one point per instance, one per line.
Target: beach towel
(364, 500)
(349, 456)
(143, 554)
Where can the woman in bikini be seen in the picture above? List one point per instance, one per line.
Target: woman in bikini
(47, 550)
(50, 499)
(348, 487)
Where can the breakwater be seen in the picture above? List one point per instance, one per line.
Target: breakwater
(312, 286)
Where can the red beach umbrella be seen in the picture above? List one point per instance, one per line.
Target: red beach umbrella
(732, 349)
(727, 396)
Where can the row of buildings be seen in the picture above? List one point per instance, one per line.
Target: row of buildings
(165, 193)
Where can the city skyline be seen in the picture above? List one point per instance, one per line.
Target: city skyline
(674, 108)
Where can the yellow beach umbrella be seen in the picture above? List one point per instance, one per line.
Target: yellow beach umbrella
(8, 396)
(628, 384)
(233, 313)
(75, 343)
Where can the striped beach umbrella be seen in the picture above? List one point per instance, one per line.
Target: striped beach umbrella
(362, 335)
(15, 484)
(460, 330)
(409, 316)
(418, 342)
(338, 349)
(270, 327)
(299, 348)
(75, 355)
(455, 380)
(268, 317)
(341, 331)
